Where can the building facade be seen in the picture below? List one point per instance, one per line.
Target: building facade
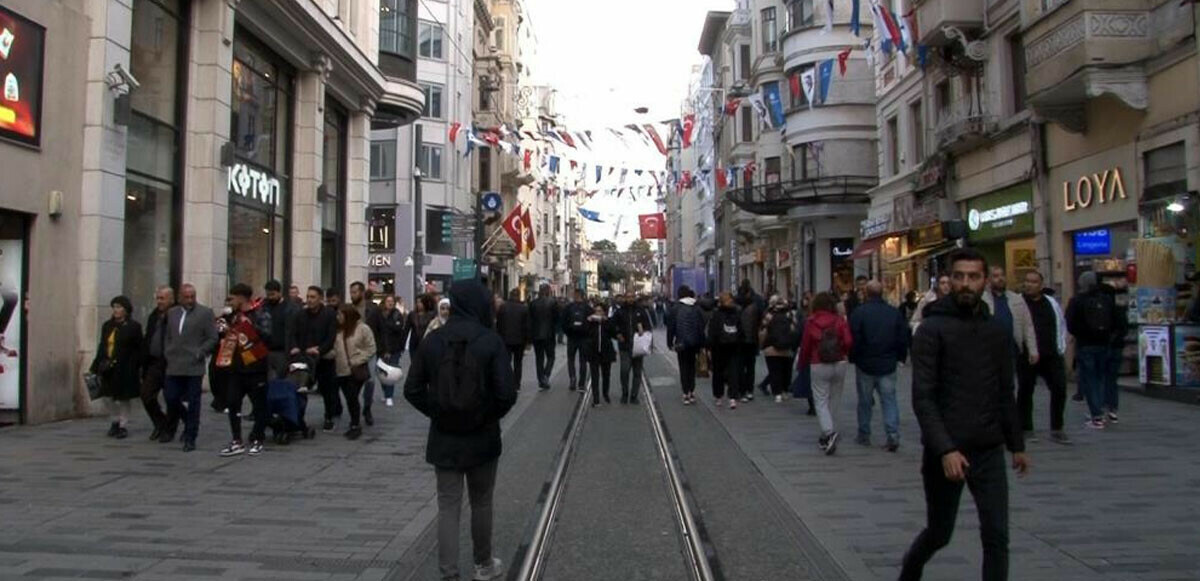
(206, 141)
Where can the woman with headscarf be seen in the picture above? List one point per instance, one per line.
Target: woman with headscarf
(443, 315)
(940, 288)
(118, 363)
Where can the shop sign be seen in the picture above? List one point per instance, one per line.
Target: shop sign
(1096, 242)
(252, 183)
(875, 227)
(379, 261)
(381, 231)
(1098, 188)
(926, 236)
(1001, 214)
(840, 250)
(464, 268)
(925, 211)
(902, 212)
(760, 255)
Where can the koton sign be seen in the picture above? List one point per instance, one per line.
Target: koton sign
(252, 183)
(1097, 188)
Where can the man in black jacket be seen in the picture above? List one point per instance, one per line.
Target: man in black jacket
(575, 320)
(963, 398)
(1096, 322)
(544, 313)
(629, 319)
(753, 307)
(880, 343)
(685, 334)
(471, 455)
(314, 330)
(154, 361)
(513, 325)
(282, 311)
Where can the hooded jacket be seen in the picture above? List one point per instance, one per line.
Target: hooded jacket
(686, 326)
(513, 324)
(962, 380)
(470, 313)
(598, 341)
(814, 328)
(724, 316)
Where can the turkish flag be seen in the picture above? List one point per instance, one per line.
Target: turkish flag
(527, 223)
(794, 82)
(721, 178)
(513, 226)
(654, 226)
(689, 123)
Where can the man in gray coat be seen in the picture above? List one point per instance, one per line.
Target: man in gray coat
(191, 336)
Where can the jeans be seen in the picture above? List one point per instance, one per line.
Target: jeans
(368, 390)
(543, 358)
(988, 483)
(517, 352)
(748, 359)
(575, 353)
(1116, 356)
(152, 383)
(725, 371)
(601, 376)
(886, 386)
(350, 389)
(1093, 376)
(827, 380)
(635, 364)
(481, 482)
(393, 359)
(180, 390)
(1053, 371)
(253, 385)
(687, 370)
(779, 374)
(328, 386)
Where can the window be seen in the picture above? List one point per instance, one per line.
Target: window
(433, 101)
(430, 40)
(498, 34)
(800, 162)
(800, 98)
(918, 130)
(893, 140)
(333, 202)
(744, 62)
(485, 95)
(770, 30)
(747, 124)
(383, 160)
(430, 161)
(941, 100)
(800, 12)
(1166, 171)
(1016, 52)
(396, 26)
(485, 169)
(773, 175)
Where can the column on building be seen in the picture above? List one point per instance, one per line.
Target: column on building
(358, 192)
(307, 171)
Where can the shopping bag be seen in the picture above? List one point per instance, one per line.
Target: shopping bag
(702, 363)
(642, 344)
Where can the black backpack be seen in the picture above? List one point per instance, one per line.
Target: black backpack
(829, 348)
(780, 333)
(1098, 314)
(458, 393)
(577, 316)
(727, 330)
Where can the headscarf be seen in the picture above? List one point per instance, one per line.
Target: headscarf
(445, 302)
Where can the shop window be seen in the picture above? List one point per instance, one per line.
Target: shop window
(396, 26)
(430, 161)
(383, 160)
(149, 212)
(333, 199)
(429, 37)
(433, 100)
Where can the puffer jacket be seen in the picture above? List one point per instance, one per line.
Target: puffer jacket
(686, 326)
(962, 380)
(354, 350)
(722, 316)
(815, 327)
(598, 341)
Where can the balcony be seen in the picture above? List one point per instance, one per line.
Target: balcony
(964, 125)
(820, 194)
(933, 15)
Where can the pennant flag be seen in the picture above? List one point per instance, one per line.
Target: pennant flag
(554, 164)
(689, 123)
(491, 137)
(722, 178)
(868, 47)
(582, 140)
(922, 55)
(516, 149)
(906, 35)
(828, 16)
(731, 106)
(760, 106)
(528, 159)
(566, 137)
(654, 226)
(794, 81)
(590, 215)
(454, 128)
(775, 104)
(885, 46)
(598, 168)
(470, 143)
(513, 226)
(624, 172)
(634, 128)
(658, 142)
(573, 164)
(826, 79)
(808, 79)
(842, 58)
(748, 173)
(885, 22)
(530, 243)
(855, 22)
(637, 172)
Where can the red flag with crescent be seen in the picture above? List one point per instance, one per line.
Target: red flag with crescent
(513, 226)
(689, 123)
(527, 223)
(658, 142)
(654, 226)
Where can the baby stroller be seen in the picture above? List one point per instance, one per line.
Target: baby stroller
(287, 404)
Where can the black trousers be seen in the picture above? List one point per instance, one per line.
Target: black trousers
(575, 353)
(218, 383)
(779, 373)
(601, 376)
(180, 390)
(725, 370)
(153, 380)
(1054, 372)
(747, 359)
(350, 389)
(543, 353)
(254, 386)
(328, 385)
(988, 481)
(687, 369)
(517, 352)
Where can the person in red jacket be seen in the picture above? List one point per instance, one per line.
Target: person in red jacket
(826, 347)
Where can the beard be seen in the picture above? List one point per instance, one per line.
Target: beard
(965, 298)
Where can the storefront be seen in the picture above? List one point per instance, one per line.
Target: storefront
(841, 265)
(382, 258)
(1000, 226)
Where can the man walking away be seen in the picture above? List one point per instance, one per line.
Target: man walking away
(513, 325)
(752, 313)
(825, 346)
(880, 342)
(576, 317)
(282, 311)
(244, 351)
(856, 296)
(724, 341)
(314, 330)
(629, 320)
(462, 380)
(191, 337)
(544, 312)
(779, 339)
(686, 331)
(154, 363)
(1011, 311)
(1092, 319)
(1049, 326)
(962, 395)
(372, 316)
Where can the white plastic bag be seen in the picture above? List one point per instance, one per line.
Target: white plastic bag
(642, 343)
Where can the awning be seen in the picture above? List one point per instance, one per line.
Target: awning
(866, 247)
(926, 252)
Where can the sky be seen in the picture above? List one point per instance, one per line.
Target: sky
(608, 57)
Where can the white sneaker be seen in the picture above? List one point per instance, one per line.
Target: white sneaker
(389, 402)
(490, 571)
(779, 399)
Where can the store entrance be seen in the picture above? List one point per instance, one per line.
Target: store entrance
(14, 253)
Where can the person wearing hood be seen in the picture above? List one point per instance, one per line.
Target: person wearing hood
(962, 382)
(1093, 318)
(443, 315)
(685, 334)
(513, 325)
(724, 342)
(752, 309)
(118, 364)
(825, 346)
(464, 443)
(778, 338)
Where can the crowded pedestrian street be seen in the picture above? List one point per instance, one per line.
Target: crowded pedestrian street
(1117, 505)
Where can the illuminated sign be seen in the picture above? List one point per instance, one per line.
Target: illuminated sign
(252, 183)
(379, 261)
(22, 46)
(1097, 188)
(1093, 242)
(1002, 216)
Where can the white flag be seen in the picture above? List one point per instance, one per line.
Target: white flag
(828, 16)
(756, 101)
(808, 81)
(869, 50)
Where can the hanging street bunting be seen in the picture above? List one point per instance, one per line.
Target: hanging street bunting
(513, 226)
(470, 143)
(828, 17)
(528, 159)
(731, 106)
(454, 128)
(624, 173)
(808, 79)
(870, 52)
(826, 79)
(775, 104)
(689, 123)
(566, 137)
(527, 224)
(855, 18)
(554, 164)
(760, 106)
(590, 215)
(658, 142)
(906, 35)
(842, 58)
(721, 178)
(794, 82)
(653, 226)
(885, 46)
(598, 168)
(922, 55)
(886, 24)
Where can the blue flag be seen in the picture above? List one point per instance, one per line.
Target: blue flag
(922, 55)
(855, 24)
(774, 104)
(590, 215)
(598, 168)
(826, 72)
(554, 164)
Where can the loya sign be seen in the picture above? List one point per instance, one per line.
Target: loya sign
(252, 183)
(1100, 188)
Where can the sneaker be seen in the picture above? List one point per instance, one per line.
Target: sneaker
(256, 448)
(733, 403)
(749, 397)
(1060, 437)
(235, 448)
(719, 402)
(155, 433)
(328, 426)
(1095, 424)
(112, 429)
(831, 444)
(353, 433)
(1030, 436)
(490, 571)
(1112, 418)
(862, 440)
(779, 399)
(189, 445)
(389, 402)
(892, 445)
(823, 442)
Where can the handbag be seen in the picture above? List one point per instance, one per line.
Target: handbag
(360, 373)
(642, 344)
(702, 363)
(93, 385)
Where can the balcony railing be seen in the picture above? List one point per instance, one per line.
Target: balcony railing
(777, 199)
(964, 125)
